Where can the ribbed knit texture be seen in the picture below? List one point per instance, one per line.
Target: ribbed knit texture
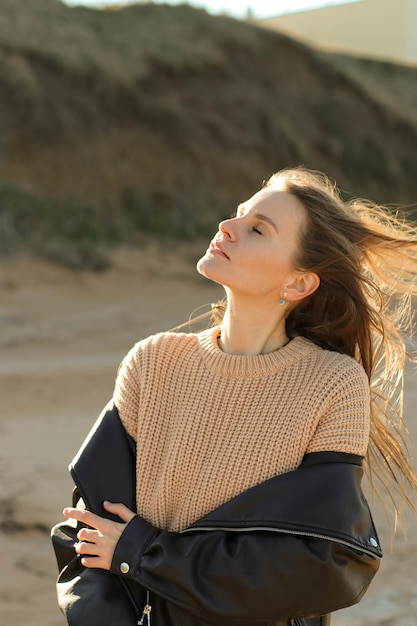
(209, 425)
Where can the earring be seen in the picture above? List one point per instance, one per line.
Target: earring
(281, 301)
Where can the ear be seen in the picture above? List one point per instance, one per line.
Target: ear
(303, 285)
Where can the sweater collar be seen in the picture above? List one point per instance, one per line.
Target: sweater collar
(248, 366)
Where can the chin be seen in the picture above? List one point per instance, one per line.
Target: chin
(203, 266)
(206, 269)
(200, 266)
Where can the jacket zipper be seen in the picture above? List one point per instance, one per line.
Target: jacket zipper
(146, 612)
(301, 533)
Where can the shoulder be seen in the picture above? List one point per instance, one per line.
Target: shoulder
(163, 342)
(160, 347)
(336, 378)
(148, 363)
(344, 422)
(335, 366)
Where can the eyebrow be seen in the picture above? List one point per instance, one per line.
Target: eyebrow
(259, 216)
(265, 218)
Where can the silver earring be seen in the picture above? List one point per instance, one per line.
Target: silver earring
(281, 301)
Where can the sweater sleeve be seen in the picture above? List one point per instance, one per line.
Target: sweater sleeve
(345, 422)
(127, 392)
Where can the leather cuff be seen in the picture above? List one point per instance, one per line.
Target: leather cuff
(131, 546)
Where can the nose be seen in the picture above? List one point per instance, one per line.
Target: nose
(227, 229)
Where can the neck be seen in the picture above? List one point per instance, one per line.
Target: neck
(253, 329)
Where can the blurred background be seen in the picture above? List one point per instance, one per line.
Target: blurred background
(127, 131)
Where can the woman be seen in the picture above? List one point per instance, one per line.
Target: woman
(250, 436)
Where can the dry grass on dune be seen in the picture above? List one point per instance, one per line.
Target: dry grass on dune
(155, 118)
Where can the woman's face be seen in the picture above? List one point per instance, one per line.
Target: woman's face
(253, 253)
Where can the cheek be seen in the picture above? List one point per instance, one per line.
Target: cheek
(271, 263)
(274, 270)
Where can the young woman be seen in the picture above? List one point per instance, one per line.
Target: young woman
(249, 437)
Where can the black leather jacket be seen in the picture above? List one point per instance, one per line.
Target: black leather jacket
(291, 549)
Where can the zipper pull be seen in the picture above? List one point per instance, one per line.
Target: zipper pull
(146, 613)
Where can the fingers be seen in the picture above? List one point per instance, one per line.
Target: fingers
(95, 562)
(83, 516)
(97, 551)
(95, 555)
(119, 509)
(88, 534)
(86, 548)
(97, 542)
(95, 521)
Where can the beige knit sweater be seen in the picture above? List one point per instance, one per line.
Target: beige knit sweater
(209, 425)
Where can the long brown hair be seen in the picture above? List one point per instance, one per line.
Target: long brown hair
(366, 258)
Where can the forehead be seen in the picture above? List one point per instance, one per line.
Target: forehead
(277, 204)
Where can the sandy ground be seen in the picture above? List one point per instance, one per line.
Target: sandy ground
(62, 337)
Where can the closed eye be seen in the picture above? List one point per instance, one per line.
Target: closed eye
(240, 213)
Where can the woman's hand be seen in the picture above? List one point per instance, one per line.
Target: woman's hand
(99, 542)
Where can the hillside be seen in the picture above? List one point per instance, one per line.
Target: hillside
(160, 119)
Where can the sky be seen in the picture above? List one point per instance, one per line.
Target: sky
(236, 8)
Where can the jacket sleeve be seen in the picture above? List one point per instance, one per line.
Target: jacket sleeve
(227, 575)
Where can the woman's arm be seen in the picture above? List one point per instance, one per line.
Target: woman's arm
(242, 572)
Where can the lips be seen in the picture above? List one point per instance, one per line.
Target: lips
(217, 248)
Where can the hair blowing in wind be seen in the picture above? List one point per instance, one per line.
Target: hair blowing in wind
(366, 258)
